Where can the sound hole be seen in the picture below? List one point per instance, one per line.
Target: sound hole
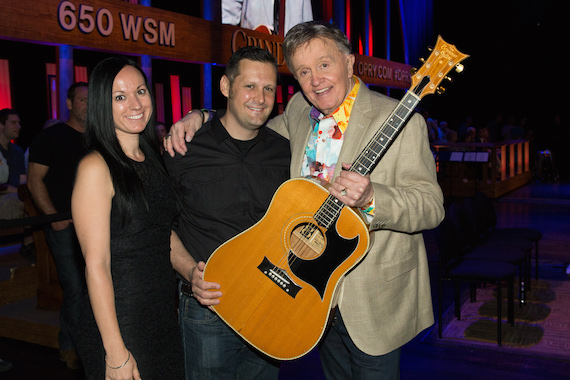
(307, 241)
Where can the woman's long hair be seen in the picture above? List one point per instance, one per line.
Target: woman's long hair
(101, 136)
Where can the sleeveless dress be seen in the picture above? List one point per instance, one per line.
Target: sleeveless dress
(145, 287)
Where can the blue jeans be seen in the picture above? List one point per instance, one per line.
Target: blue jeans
(70, 268)
(212, 350)
(342, 360)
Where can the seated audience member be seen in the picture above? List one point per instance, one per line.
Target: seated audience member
(161, 132)
(470, 135)
(507, 129)
(4, 170)
(442, 130)
(432, 129)
(451, 136)
(11, 207)
(482, 135)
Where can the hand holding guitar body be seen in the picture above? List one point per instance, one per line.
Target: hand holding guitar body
(204, 291)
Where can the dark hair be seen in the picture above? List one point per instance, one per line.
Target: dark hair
(5, 113)
(304, 32)
(73, 87)
(100, 135)
(253, 53)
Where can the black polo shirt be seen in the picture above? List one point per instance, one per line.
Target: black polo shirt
(226, 185)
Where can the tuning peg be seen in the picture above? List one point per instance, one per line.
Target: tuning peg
(413, 70)
(430, 48)
(459, 68)
(440, 90)
(450, 79)
(422, 60)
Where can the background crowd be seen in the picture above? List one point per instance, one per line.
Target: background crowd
(549, 135)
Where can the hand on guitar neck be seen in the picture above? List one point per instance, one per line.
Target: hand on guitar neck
(351, 188)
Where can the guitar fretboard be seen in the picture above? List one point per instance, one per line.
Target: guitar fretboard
(330, 210)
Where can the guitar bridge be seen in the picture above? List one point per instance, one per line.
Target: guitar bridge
(279, 277)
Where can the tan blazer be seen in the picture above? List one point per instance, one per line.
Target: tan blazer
(385, 300)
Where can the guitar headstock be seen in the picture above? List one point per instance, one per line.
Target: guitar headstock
(443, 58)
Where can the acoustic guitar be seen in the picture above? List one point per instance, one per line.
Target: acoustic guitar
(279, 278)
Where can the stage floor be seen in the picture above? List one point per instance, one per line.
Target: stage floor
(543, 206)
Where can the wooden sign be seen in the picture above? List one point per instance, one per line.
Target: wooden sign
(117, 26)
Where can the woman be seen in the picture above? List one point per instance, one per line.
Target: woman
(123, 210)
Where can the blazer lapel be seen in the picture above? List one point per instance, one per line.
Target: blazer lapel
(358, 132)
(299, 143)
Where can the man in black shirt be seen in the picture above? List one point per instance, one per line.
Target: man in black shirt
(233, 167)
(54, 155)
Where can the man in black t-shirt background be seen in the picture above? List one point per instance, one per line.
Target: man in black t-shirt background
(54, 155)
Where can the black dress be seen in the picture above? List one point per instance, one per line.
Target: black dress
(145, 287)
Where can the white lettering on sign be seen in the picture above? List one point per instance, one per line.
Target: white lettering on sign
(383, 72)
(153, 31)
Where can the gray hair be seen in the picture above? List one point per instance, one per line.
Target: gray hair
(304, 32)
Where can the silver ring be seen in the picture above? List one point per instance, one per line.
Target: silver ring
(343, 192)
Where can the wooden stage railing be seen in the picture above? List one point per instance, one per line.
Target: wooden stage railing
(32, 291)
(493, 168)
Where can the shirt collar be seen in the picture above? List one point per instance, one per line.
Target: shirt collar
(220, 133)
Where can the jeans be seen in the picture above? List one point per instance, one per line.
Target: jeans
(342, 360)
(70, 268)
(213, 350)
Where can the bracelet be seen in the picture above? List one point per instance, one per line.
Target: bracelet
(210, 113)
(122, 365)
(203, 112)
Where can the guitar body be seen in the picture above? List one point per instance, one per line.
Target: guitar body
(279, 277)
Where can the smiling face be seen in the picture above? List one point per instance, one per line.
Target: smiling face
(324, 73)
(132, 104)
(251, 97)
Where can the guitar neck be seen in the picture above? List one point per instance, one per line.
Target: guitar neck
(426, 80)
(371, 155)
(379, 144)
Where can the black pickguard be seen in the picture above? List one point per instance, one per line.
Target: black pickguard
(317, 272)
